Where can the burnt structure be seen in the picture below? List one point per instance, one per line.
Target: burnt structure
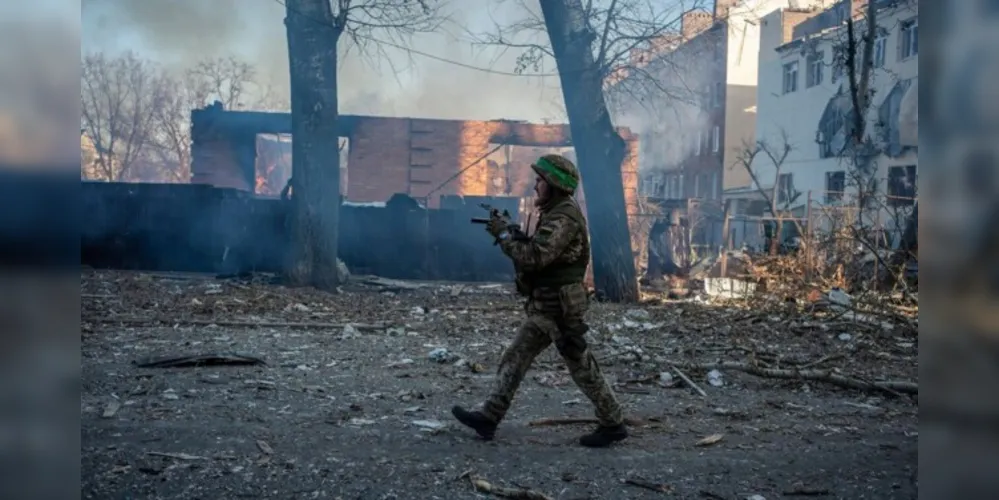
(413, 185)
(424, 158)
(200, 228)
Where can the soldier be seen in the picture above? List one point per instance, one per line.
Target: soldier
(550, 266)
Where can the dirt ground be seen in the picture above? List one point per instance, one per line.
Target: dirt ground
(352, 399)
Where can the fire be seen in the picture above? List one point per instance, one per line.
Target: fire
(273, 165)
(267, 183)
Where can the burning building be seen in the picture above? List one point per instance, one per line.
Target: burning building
(382, 156)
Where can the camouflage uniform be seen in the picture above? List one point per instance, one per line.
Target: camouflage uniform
(550, 269)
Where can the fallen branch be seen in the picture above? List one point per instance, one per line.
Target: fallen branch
(802, 491)
(824, 359)
(686, 379)
(551, 422)
(230, 323)
(483, 486)
(891, 387)
(177, 456)
(200, 360)
(648, 485)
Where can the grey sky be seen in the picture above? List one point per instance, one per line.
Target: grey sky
(178, 32)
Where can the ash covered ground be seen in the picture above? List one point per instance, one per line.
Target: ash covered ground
(353, 399)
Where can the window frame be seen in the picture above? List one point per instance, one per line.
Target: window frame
(910, 176)
(789, 73)
(880, 55)
(784, 192)
(908, 39)
(833, 195)
(813, 68)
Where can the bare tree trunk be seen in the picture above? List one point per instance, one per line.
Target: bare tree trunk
(862, 150)
(312, 57)
(600, 151)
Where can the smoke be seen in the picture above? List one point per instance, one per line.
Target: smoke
(670, 114)
(39, 84)
(386, 81)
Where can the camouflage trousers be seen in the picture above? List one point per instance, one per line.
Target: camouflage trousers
(554, 316)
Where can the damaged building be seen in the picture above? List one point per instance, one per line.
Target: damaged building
(426, 159)
(406, 183)
(693, 132)
(804, 96)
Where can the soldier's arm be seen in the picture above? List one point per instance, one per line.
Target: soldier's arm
(547, 243)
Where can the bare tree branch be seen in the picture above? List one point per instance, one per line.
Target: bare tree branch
(120, 97)
(619, 28)
(136, 116)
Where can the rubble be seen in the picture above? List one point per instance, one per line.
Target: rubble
(354, 376)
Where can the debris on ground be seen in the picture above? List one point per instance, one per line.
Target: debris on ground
(364, 379)
(199, 360)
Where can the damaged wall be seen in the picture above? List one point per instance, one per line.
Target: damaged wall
(419, 157)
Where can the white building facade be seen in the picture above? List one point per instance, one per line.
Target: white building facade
(804, 101)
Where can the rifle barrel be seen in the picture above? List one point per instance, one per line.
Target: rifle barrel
(479, 220)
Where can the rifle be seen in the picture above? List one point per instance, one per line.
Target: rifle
(515, 230)
(517, 234)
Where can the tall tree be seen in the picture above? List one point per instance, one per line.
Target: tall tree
(599, 148)
(315, 29)
(592, 46)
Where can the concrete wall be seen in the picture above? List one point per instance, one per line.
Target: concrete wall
(797, 114)
(742, 74)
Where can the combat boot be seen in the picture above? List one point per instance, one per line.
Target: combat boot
(484, 426)
(604, 436)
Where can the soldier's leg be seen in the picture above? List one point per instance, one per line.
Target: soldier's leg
(570, 340)
(586, 373)
(533, 337)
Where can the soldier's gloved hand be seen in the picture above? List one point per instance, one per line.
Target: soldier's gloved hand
(496, 226)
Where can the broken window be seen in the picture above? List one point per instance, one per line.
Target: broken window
(835, 186)
(838, 63)
(815, 61)
(901, 185)
(655, 188)
(834, 126)
(908, 39)
(880, 48)
(790, 77)
(888, 118)
(785, 188)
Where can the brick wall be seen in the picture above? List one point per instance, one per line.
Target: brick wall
(216, 164)
(419, 157)
(378, 160)
(693, 22)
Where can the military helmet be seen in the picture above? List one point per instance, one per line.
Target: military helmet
(558, 172)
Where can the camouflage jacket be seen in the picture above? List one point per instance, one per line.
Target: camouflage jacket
(559, 250)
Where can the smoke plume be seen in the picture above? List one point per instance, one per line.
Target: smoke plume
(388, 81)
(40, 83)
